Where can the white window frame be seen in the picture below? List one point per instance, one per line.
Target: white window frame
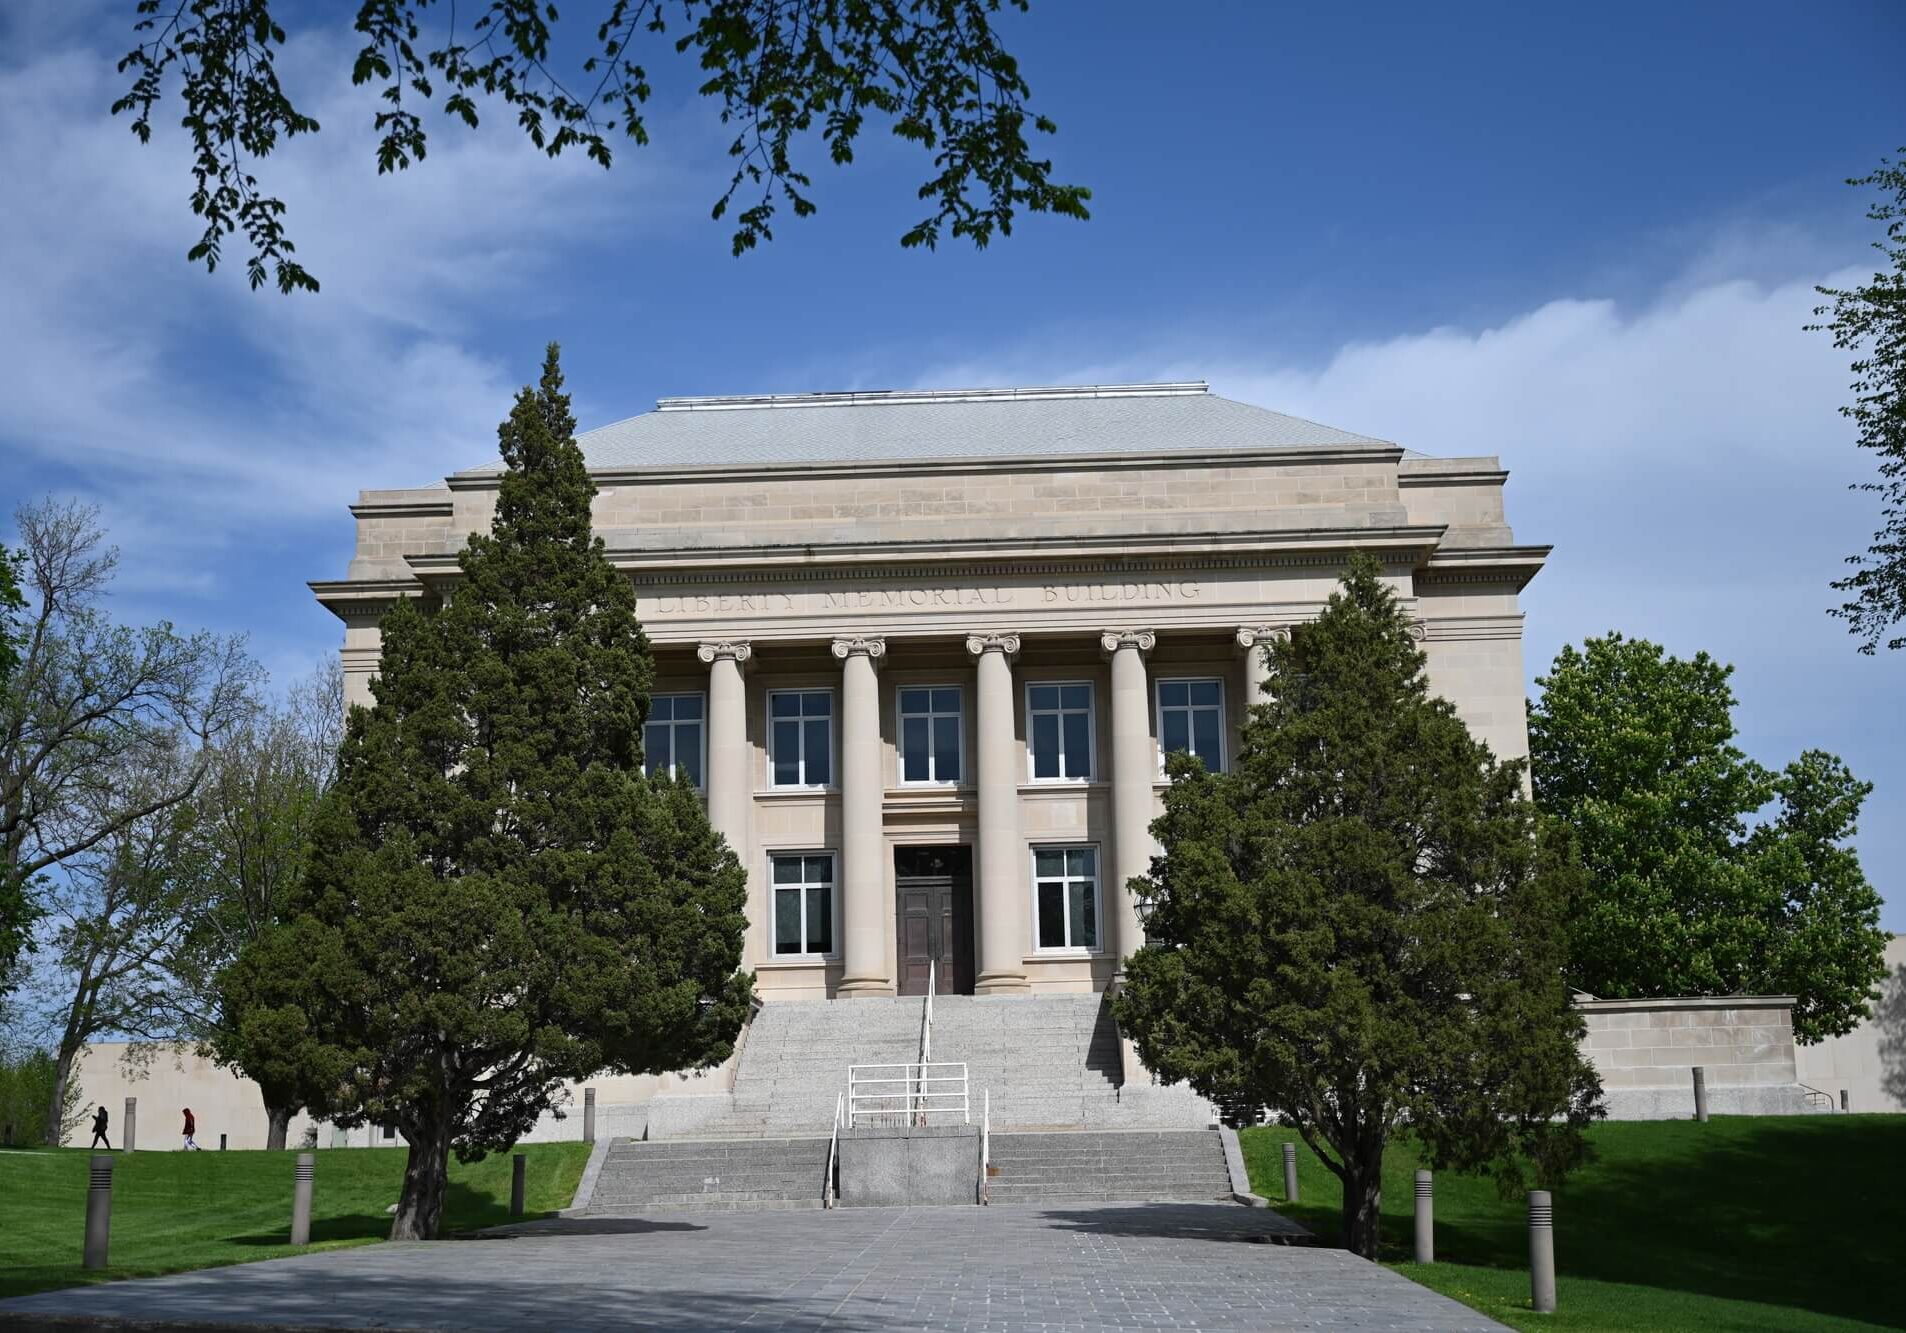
(899, 735)
(833, 903)
(672, 723)
(1158, 715)
(833, 741)
(1091, 733)
(1098, 900)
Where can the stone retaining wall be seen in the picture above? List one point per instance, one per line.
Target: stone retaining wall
(1646, 1050)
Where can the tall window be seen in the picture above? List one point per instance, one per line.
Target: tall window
(801, 737)
(804, 903)
(1191, 718)
(1065, 896)
(672, 737)
(930, 734)
(1059, 731)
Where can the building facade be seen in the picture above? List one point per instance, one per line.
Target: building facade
(924, 652)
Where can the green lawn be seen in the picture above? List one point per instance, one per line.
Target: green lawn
(1744, 1223)
(173, 1210)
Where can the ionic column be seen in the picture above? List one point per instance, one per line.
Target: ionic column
(1253, 642)
(867, 914)
(730, 784)
(1002, 888)
(1134, 770)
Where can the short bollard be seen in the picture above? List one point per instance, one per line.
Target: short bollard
(1843, 1106)
(518, 1164)
(301, 1199)
(1541, 1252)
(1290, 1172)
(1700, 1094)
(221, 1143)
(126, 1131)
(1425, 1219)
(588, 1115)
(99, 1210)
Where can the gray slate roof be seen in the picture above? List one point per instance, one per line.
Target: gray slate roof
(975, 423)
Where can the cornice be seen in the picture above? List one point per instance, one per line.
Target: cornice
(404, 509)
(1407, 480)
(1484, 564)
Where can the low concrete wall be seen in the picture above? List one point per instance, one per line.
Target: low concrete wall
(1646, 1051)
(888, 1167)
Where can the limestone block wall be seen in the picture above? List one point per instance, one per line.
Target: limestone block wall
(1856, 1064)
(1646, 1051)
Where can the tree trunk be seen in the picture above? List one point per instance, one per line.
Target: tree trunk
(277, 1125)
(1363, 1202)
(55, 1112)
(426, 1172)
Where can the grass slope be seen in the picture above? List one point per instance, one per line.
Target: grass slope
(1744, 1223)
(174, 1211)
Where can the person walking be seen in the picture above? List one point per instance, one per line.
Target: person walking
(191, 1127)
(99, 1131)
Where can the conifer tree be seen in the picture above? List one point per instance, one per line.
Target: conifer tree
(498, 898)
(1359, 926)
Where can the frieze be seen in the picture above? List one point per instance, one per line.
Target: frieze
(837, 600)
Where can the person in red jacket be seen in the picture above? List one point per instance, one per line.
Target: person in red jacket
(191, 1127)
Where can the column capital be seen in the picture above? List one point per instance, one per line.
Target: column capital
(854, 646)
(1111, 640)
(737, 650)
(1256, 636)
(981, 644)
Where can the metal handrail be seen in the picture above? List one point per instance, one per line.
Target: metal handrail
(1810, 1092)
(915, 1092)
(926, 1032)
(985, 1145)
(829, 1194)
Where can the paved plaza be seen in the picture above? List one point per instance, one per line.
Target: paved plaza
(1053, 1269)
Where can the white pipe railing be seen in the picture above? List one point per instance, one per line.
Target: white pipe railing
(898, 1094)
(829, 1195)
(985, 1144)
(926, 1034)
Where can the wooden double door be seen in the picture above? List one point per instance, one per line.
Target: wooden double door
(934, 919)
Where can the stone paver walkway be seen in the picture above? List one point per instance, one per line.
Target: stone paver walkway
(1030, 1268)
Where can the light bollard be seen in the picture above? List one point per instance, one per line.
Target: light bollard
(1290, 1172)
(127, 1131)
(1843, 1105)
(301, 1199)
(1425, 1219)
(518, 1165)
(221, 1143)
(99, 1210)
(1700, 1094)
(588, 1115)
(1541, 1252)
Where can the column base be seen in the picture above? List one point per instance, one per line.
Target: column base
(1002, 983)
(855, 988)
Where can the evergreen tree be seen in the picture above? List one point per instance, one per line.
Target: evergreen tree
(1359, 925)
(498, 898)
(1634, 749)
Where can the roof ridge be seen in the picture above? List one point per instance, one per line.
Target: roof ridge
(887, 397)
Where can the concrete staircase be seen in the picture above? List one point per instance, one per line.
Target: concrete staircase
(1180, 1166)
(1050, 1061)
(723, 1175)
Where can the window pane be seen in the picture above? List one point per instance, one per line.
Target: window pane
(913, 749)
(946, 701)
(787, 754)
(1078, 748)
(688, 751)
(1204, 692)
(820, 924)
(1079, 863)
(1049, 864)
(662, 707)
(1075, 696)
(1085, 912)
(688, 706)
(1175, 730)
(946, 749)
(784, 705)
(1045, 745)
(1171, 693)
(915, 701)
(1052, 916)
(1205, 736)
(819, 771)
(1045, 696)
(655, 747)
(817, 704)
(787, 919)
(787, 870)
(820, 870)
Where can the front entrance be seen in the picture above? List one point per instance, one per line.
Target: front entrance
(934, 918)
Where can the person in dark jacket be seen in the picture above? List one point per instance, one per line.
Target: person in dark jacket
(191, 1128)
(99, 1131)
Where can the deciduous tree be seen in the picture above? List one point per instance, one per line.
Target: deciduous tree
(499, 899)
(1635, 750)
(1358, 925)
(936, 71)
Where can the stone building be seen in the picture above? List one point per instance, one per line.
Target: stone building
(925, 651)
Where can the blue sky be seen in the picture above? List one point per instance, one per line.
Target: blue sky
(1584, 240)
